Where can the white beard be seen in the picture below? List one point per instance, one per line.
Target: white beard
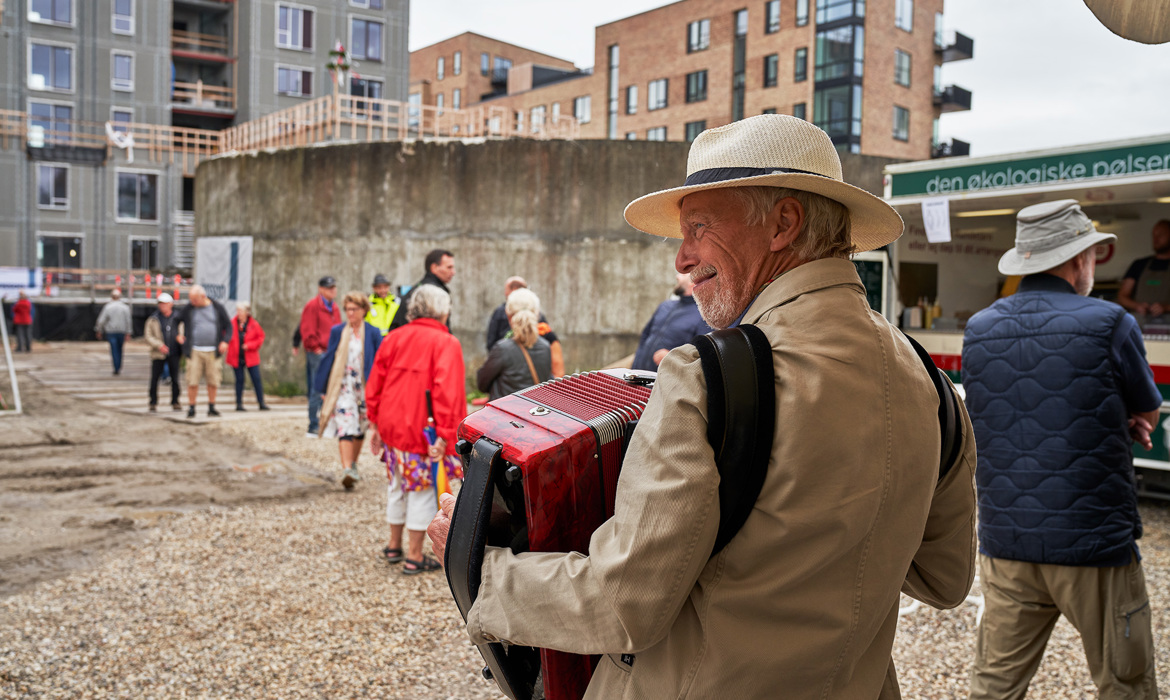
(719, 306)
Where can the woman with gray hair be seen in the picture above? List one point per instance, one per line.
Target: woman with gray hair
(243, 354)
(520, 359)
(419, 357)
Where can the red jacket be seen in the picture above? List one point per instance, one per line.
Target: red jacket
(413, 358)
(22, 313)
(253, 339)
(316, 321)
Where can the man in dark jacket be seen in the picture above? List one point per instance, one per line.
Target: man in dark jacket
(318, 317)
(1057, 386)
(206, 325)
(674, 323)
(440, 270)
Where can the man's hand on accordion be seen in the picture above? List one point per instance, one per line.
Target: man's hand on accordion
(441, 525)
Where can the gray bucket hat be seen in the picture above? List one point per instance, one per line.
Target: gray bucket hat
(1048, 235)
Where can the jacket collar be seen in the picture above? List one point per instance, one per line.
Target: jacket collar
(1044, 282)
(809, 277)
(431, 323)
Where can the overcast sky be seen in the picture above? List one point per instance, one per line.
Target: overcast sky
(1045, 72)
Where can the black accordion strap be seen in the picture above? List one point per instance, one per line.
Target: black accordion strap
(741, 419)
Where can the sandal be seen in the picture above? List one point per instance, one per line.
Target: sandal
(393, 555)
(428, 563)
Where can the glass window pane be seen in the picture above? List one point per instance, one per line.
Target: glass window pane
(122, 7)
(44, 8)
(148, 204)
(42, 61)
(62, 11)
(375, 41)
(359, 38)
(62, 59)
(127, 195)
(44, 193)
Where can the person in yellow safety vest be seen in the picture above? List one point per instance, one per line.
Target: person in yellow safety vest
(383, 305)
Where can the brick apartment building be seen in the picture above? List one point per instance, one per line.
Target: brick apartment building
(869, 73)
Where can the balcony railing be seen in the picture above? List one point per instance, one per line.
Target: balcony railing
(962, 48)
(953, 98)
(950, 149)
(95, 284)
(195, 42)
(197, 95)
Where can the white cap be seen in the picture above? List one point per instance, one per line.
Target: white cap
(164, 298)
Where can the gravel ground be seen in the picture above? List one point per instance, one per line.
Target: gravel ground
(291, 600)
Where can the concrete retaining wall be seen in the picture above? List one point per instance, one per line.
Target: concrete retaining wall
(550, 211)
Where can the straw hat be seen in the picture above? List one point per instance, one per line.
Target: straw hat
(773, 150)
(1048, 235)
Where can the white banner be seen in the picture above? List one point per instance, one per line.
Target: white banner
(223, 265)
(13, 280)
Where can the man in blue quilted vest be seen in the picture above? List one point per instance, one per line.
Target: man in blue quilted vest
(1057, 387)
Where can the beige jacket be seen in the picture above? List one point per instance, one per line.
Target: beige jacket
(154, 337)
(803, 603)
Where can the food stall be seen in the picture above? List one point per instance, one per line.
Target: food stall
(960, 218)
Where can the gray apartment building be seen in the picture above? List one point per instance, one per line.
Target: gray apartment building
(115, 95)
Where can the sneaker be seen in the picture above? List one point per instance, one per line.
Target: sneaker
(212, 413)
(153, 408)
(311, 435)
(349, 477)
(176, 406)
(191, 412)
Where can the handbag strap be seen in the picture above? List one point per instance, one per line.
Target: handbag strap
(531, 367)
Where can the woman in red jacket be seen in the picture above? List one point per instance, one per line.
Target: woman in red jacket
(244, 352)
(22, 321)
(413, 359)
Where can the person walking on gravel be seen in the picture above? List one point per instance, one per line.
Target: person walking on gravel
(340, 381)
(162, 335)
(206, 325)
(114, 322)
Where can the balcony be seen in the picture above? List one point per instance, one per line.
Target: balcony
(209, 48)
(962, 48)
(203, 99)
(952, 98)
(952, 149)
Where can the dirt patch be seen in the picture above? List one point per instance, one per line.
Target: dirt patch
(77, 479)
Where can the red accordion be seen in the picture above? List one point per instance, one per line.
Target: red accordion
(541, 468)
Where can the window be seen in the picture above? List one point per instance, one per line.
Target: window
(800, 68)
(837, 111)
(656, 94)
(457, 99)
(294, 28)
(801, 12)
(556, 112)
(631, 136)
(50, 67)
(632, 99)
(52, 186)
(122, 71)
(938, 30)
(770, 110)
(611, 130)
(698, 35)
(832, 10)
(369, 4)
(800, 111)
(500, 68)
(122, 17)
(904, 14)
(582, 108)
(439, 103)
(658, 133)
(840, 53)
(143, 253)
(365, 40)
(901, 123)
(483, 64)
(771, 69)
(137, 196)
(59, 251)
(536, 118)
(457, 63)
(694, 129)
(54, 119)
(697, 86)
(741, 21)
(121, 116)
(297, 82)
(440, 67)
(413, 110)
(772, 16)
(901, 67)
(51, 11)
(365, 87)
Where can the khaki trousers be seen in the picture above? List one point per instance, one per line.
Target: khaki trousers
(1107, 605)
